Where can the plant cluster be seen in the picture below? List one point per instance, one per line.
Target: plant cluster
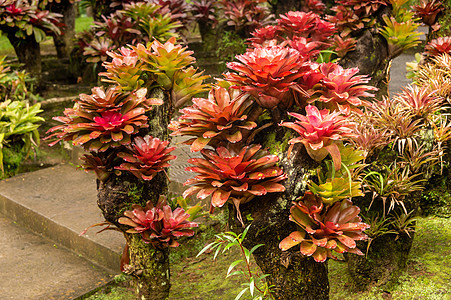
(136, 22)
(15, 85)
(274, 74)
(26, 18)
(111, 124)
(18, 119)
(19, 122)
(158, 224)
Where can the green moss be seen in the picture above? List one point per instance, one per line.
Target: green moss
(276, 146)
(445, 20)
(12, 158)
(427, 275)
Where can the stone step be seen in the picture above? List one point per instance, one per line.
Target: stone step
(59, 203)
(33, 267)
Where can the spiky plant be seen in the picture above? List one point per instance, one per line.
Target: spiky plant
(427, 11)
(439, 46)
(420, 101)
(320, 131)
(400, 35)
(97, 49)
(308, 25)
(342, 89)
(234, 177)
(325, 229)
(393, 184)
(146, 157)
(98, 130)
(336, 189)
(268, 74)
(220, 118)
(158, 225)
(437, 75)
(125, 69)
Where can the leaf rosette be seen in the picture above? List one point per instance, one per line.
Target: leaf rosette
(320, 131)
(158, 225)
(237, 178)
(220, 117)
(94, 128)
(268, 74)
(325, 229)
(146, 157)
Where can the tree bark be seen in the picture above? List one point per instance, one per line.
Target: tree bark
(148, 265)
(372, 59)
(293, 275)
(64, 43)
(151, 268)
(28, 52)
(279, 7)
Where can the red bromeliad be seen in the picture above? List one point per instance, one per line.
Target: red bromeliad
(146, 157)
(325, 229)
(342, 89)
(308, 25)
(158, 225)
(221, 117)
(97, 124)
(268, 74)
(320, 131)
(439, 46)
(237, 178)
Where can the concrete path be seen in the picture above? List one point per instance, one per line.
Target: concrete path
(35, 268)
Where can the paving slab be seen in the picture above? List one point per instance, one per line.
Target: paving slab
(59, 203)
(35, 268)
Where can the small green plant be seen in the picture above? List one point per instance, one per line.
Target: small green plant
(18, 126)
(255, 285)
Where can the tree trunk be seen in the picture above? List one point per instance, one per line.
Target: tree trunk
(279, 7)
(28, 52)
(371, 57)
(65, 42)
(293, 275)
(150, 266)
(386, 260)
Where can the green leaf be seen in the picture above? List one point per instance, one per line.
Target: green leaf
(255, 248)
(252, 286)
(205, 248)
(233, 265)
(243, 235)
(241, 293)
(247, 255)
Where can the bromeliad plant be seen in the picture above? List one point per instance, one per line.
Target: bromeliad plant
(268, 73)
(325, 229)
(103, 120)
(158, 224)
(320, 132)
(220, 118)
(124, 135)
(146, 157)
(438, 46)
(235, 177)
(166, 65)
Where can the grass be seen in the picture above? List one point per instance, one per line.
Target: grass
(427, 276)
(83, 23)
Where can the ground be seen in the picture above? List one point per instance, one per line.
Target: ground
(427, 276)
